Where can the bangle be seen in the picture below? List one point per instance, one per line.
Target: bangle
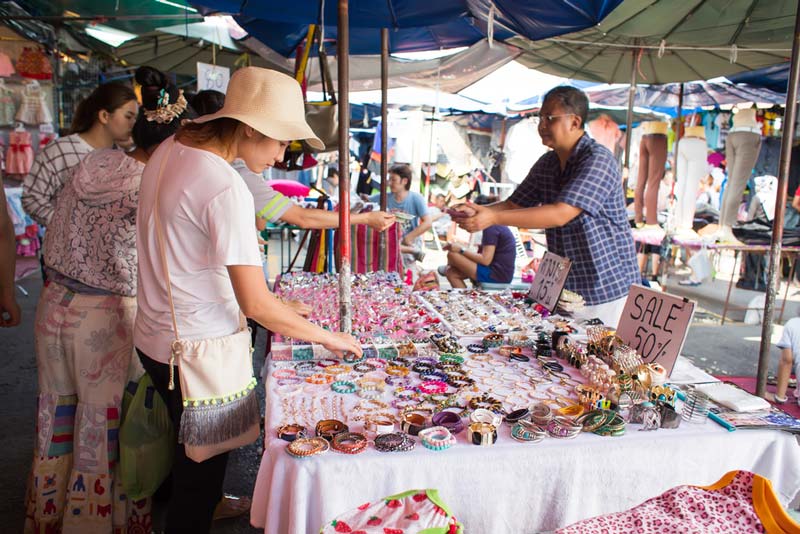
(394, 442)
(492, 340)
(344, 386)
(379, 424)
(517, 415)
(528, 433)
(436, 438)
(412, 422)
(541, 414)
(327, 428)
(563, 428)
(304, 447)
(291, 432)
(482, 415)
(349, 442)
(482, 434)
(449, 420)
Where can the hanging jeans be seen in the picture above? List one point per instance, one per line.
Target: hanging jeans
(692, 167)
(741, 153)
(652, 158)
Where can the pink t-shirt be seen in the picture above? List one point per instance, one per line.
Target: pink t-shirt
(207, 218)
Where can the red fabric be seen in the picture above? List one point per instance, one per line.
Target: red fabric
(364, 242)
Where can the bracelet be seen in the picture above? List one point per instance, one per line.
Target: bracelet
(304, 447)
(517, 415)
(487, 402)
(398, 381)
(482, 434)
(349, 442)
(572, 411)
(412, 422)
(327, 428)
(437, 438)
(449, 357)
(423, 367)
(477, 348)
(527, 433)
(351, 357)
(482, 415)
(284, 373)
(344, 386)
(290, 380)
(594, 419)
(319, 379)
(305, 368)
(433, 375)
(396, 370)
(394, 442)
(364, 367)
(449, 420)
(291, 432)
(380, 424)
(368, 382)
(336, 369)
(431, 387)
(378, 363)
(327, 362)
(541, 414)
(563, 428)
(493, 340)
(407, 349)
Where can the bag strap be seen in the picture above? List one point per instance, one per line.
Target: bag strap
(163, 253)
(327, 80)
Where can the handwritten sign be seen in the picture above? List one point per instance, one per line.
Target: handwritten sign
(549, 280)
(655, 325)
(212, 77)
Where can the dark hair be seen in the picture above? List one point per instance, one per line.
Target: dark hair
(403, 171)
(109, 96)
(572, 99)
(207, 101)
(155, 87)
(223, 132)
(333, 171)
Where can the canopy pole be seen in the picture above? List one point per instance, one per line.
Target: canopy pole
(780, 209)
(678, 132)
(343, 58)
(629, 123)
(384, 139)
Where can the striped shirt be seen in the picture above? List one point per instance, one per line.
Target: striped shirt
(50, 170)
(599, 240)
(270, 204)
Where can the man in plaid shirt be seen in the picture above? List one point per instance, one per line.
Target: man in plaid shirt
(575, 193)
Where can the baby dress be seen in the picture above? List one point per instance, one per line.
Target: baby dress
(7, 108)
(19, 157)
(33, 109)
(6, 68)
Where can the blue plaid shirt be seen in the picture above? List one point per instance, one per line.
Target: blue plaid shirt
(599, 240)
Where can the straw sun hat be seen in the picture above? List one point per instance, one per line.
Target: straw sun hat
(268, 101)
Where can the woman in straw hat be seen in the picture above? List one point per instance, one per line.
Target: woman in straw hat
(206, 216)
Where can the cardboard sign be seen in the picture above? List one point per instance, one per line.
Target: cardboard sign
(655, 325)
(549, 280)
(212, 77)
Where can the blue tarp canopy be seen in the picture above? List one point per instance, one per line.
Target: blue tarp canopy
(695, 95)
(774, 78)
(415, 25)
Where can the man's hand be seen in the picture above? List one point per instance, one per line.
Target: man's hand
(461, 211)
(482, 217)
(9, 309)
(339, 344)
(380, 220)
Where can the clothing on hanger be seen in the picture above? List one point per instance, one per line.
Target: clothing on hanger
(33, 63)
(6, 68)
(7, 107)
(19, 157)
(33, 109)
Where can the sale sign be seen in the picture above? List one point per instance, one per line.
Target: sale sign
(549, 280)
(655, 324)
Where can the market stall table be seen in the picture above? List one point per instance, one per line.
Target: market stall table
(511, 486)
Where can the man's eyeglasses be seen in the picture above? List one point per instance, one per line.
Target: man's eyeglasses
(551, 118)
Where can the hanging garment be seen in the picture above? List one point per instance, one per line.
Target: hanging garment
(605, 131)
(33, 108)
(739, 502)
(652, 160)
(692, 167)
(6, 68)
(7, 108)
(741, 152)
(44, 139)
(33, 63)
(19, 157)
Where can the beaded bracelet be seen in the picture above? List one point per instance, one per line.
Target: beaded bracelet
(484, 357)
(423, 367)
(304, 447)
(378, 363)
(327, 362)
(363, 367)
(394, 442)
(396, 370)
(284, 373)
(349, 442)
(431, 387)
(344, 386)
(319, 379)
(437, 438)
(492, 340)
(336, 369)
(352, 357)
(290, 380)
(476, 348)
(448, 357)
(368, 382)
(487, 402)
(433, 375)
(398, 381)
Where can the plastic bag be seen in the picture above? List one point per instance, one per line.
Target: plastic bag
(701, 266)
(146, 440)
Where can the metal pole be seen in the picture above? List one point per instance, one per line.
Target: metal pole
(677, 142)
(780, 208)
(384, 256)
(629, 121)
(343, 57)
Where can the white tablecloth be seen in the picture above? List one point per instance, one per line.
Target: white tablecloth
(517, 487)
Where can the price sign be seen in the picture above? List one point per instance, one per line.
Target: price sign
(549, 280)
(655, 325)
(212, 77)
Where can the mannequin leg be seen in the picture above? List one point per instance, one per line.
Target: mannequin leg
(741, 153)
(641, 181)
(680, 188)
(655, 173)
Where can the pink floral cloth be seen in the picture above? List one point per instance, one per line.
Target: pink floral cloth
(741, 502)
(92, 235)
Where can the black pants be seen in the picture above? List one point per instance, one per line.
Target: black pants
(196, 487)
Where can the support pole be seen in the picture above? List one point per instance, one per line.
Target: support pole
(780, 209)
(629, 121)
(343, 58)
(678, 132)
(384, 256)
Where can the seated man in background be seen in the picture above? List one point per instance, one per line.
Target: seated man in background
(493, 263)
(789, 361)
